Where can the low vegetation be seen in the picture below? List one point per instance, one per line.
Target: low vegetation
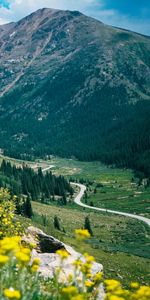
(108, 187)
(120, 244)
(20, 279)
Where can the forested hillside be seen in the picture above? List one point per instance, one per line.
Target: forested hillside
(24, 181)
(72, 86)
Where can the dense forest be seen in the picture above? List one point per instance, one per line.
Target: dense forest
(27, 184)
(116, 135)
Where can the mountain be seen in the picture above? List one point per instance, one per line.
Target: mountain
(71, 85)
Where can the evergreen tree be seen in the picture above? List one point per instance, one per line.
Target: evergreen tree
(64, 200)
(95, 191)
(18, 206)
(87, 225)
(56, 223)
(42, 199)
(28, 207)
(23, 181)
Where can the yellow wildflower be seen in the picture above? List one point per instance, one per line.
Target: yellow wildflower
(17, 239)
(22, 257)
(32, 246)
(62, 253)
(88, 284)
(35, 265)
(86, 268)
(8, 244)
(134, 285)
(77, 263)
(114, 297)
(3, 259)
(34, 268)
(82, 234)
(143, 293)
(89, 258)
(98, 277)
(26, 251)
(89, 275)
(36, 261)
(12, 294)
(69, 291)
(112, 284)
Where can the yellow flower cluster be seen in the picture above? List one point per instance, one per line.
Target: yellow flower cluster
(62, 253)
(82, 283)
(19, 276)
(8, 227)
(84, 286)
(12, 294)
(35, 265)
(114, 291)
(82, 234)
(15, 263)
(11, 247)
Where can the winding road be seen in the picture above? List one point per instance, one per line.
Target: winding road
(47, 168)
(78, 198)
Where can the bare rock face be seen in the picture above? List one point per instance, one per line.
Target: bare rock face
(46, 247)
(44, 243)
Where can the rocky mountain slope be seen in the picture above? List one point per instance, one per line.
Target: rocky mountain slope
(71, 85)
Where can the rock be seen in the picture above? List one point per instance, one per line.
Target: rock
(46, 251)
(44, 243)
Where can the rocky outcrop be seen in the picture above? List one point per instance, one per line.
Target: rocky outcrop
(44, 243)
(45, 250)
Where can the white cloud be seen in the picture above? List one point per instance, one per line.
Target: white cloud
(20, 8)
(3, 21)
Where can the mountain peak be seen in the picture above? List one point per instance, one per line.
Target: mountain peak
(68, 80)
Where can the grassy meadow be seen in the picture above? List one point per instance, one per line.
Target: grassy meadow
(119, 243)
(118, 191)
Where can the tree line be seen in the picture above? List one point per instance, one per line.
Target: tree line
(28, 185)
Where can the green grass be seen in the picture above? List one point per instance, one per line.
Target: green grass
(118, 192)
(94, 171)
(119, 243)
(127, 198)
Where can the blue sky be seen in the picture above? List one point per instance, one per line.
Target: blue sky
(129, 14)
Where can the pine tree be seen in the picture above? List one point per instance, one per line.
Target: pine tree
(42, 199)
(87, 225)
(28, 207)
(3, 166)
(56, 223)
(95, 191)
(64, 199)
